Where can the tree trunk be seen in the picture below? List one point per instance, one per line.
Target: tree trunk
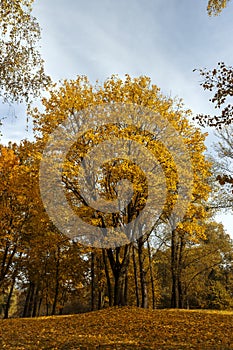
(35, 304)
(144, 294)
(57, 284)
(92, 281)
(135, 278)
(174, 295)
(117, 288)
(28, 306)
(100, 299)
(6, 262)
(180, 268)
(151, 275)
(47, 308)
(119, 270)
(7, 306)
(101, 280)
(25, 310)
(107, 278)
(39, 306)
(177, 246)
(126, 289)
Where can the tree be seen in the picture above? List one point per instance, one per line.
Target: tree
(192, 226)
(219, 80)
(12, 205)
(224, 149)
(38, 265)
(53, 270)
(16, 204)
(215, 7)
(206, 270)
(73, 97)
(21, 67)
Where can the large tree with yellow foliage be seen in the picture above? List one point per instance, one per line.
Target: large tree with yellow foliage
(75, 97)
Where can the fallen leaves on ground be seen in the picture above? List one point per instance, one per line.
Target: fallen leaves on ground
(121, 328)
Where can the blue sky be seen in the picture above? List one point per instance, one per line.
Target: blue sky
(165, 40)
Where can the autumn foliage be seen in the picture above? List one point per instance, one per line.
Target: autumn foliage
(121, 328)
(46, 272)
(131, 278)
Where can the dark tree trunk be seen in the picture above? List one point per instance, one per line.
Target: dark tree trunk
(6, 262)
(25, 310)
(177, 247)
(35, 304)
(151, 275)
(119, 270)
(174, 296)
(29, 301)
(92, 281)
(144, 294)
(117, 288)
(126, 289)
(101, 281)
(39, 306)
(28, 306)
(7, 306)
(100, 299)
(135, 278)
(107, 278)
(180, 269)
(57, 283)
(14, 275)
(47, 309)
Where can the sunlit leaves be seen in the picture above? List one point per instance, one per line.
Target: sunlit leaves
(76, 95)
(215, 7)
(123, 328)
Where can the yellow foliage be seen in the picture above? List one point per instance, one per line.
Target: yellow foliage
(121, 328)
(215, 7)
(76, 96)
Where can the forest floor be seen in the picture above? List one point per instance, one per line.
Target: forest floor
(121, 328)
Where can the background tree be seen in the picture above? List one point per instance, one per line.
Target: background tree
(206, 269)
(224, 149)
(16, 207)
(219, 80)
(21, 67)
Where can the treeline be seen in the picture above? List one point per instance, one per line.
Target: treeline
(45, 273)
(181, 262)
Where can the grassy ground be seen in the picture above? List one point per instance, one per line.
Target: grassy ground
(121, 328)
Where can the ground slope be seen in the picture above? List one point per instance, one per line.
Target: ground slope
(121, 328)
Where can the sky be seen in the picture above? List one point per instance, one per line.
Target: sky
(164, 40)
